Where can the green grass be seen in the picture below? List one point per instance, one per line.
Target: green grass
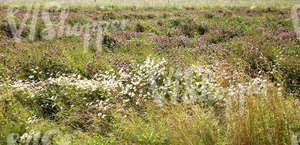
(232, 43)
(167, 3)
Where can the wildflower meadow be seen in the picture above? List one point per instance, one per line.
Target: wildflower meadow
(170, 72)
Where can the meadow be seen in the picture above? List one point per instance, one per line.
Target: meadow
(149, 72)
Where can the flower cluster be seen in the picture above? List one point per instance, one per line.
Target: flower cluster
(255, 87)
(160, 83)
(32, 88)
(152, 81)
(77, 81)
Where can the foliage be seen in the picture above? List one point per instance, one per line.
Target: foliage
(181, 75)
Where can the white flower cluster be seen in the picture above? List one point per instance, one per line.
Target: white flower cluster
(108, 81)
(32, 119)
(77, 81)
(35, 87)
(203, 80)
(255, 87)
(148, 81)
(153, 81)
(102, 106)
(26, 138)
(30, 87)
(162, 83)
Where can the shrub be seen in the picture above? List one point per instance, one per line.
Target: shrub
(110, 16)
(5, 30)
(209, 15)
(146, 27)
(109, 42)
(193, 29)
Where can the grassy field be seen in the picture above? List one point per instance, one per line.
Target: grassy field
(162, 3)
(167, 72)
